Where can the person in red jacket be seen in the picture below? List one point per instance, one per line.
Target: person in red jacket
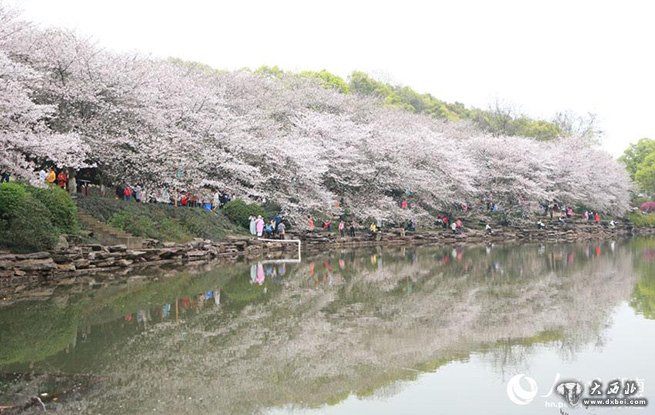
(127, 193)
(62, 179)
(597, 217)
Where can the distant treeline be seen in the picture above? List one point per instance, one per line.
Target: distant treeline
(499, 119)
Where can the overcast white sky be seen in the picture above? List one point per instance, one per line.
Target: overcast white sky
(542, 56)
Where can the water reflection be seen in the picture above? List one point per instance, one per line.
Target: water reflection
(245, 338)
(181, 306)
(643, 299)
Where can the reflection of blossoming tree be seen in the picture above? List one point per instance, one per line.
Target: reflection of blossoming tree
(284, 137)
(386, 317)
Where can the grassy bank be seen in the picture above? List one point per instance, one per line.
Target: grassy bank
(32, 219)
(157, 221)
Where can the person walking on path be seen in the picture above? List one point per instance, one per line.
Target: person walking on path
(268, 229)
(62, 179)
(253, 225)
(373, 229)
(280, 229)
(438, 221)
(51, 177)
(278, 219)
(597, 218)
(259, 224)
(352, 229)
(342, 228)
(138, 193)
(310, 223)
(127, 193)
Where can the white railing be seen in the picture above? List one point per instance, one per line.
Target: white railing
(282, 261)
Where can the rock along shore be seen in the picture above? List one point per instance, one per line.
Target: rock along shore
(20, 271)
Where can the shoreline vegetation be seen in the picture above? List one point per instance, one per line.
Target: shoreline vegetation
(34, 219)
(79, 255)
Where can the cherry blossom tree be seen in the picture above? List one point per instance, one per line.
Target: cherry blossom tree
(283, 137)
(25, 139)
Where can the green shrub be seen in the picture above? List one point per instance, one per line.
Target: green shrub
(238, 211)
(11, 195)
(32, 219)
(63, 212)
(640, 220)
(30, 228)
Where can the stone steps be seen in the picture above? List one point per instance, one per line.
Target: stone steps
(108, 235)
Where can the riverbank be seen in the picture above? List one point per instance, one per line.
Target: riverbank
(24, 271)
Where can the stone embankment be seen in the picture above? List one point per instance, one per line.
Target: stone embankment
(570, 232)
(19, 270)
(23, 270)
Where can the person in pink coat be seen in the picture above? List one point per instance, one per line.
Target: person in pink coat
(259, 225)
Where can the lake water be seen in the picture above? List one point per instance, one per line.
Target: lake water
(428, 330)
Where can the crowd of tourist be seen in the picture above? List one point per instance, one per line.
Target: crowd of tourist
(564, 213)
(180, 198)
(273, 229)
(276, 228)
(52, 177)
(456, 225)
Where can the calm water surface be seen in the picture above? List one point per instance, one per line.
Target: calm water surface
(377, 331)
